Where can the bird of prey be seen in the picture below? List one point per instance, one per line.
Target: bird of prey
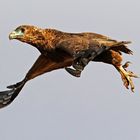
(61, 50)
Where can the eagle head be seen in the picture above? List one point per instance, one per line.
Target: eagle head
(27, 33)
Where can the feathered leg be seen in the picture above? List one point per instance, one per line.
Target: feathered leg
(126, 76)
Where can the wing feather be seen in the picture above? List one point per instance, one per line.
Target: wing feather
(85, 43)
(42, 65)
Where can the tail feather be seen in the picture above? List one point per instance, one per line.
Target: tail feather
(7, 97)
(121, 46)
(121, 43)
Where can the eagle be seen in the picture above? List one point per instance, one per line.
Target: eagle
(71, 51)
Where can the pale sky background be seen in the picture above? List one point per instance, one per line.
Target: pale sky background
(57, 106)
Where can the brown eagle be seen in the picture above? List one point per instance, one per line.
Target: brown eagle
(60, 50)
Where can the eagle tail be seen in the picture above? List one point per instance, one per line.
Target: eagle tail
(6, 97)
(121, 46)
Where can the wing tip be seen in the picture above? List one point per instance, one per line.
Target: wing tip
(5, 98)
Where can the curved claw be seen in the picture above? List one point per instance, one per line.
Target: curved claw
(126, 64)
(132, 74)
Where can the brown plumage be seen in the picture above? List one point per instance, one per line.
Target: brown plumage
(61, 50)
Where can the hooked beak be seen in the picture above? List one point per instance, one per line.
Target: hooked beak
(13, 35)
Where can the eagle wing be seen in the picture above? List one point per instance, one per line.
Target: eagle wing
(42, 65)
(83, 43)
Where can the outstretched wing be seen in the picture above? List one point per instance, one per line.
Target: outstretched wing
(49, 63)
(42, 65)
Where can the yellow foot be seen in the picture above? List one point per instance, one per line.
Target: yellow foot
(127, 76)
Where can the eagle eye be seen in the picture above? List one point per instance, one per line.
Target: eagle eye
(22, 30)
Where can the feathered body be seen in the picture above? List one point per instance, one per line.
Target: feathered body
(60, 50)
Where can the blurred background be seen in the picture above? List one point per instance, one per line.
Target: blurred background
(57, 106)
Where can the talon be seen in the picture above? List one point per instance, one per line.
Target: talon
(126, 64)
(127, 76)
(132, 74)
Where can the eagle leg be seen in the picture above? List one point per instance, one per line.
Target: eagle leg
(126, 76)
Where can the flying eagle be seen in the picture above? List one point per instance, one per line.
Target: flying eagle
(61, 50)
